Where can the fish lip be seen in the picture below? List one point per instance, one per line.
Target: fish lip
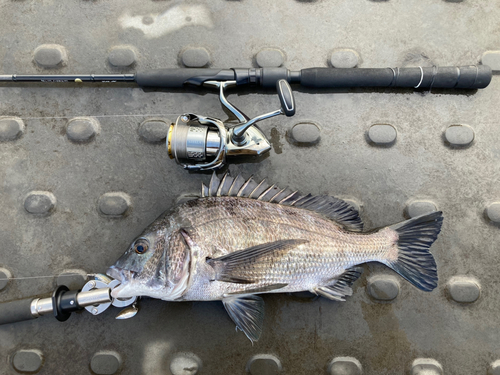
(115, 292)
(123, 276)
(120, 274)
(115, 273)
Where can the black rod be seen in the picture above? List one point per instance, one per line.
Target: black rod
(68, 78)
(450, 77)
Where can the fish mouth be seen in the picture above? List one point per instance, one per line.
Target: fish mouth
(123, 276)
(115, 273)
(120, 274)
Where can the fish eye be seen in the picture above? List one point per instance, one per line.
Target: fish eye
(141, 245)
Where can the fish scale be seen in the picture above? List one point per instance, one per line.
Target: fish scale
(329, 252)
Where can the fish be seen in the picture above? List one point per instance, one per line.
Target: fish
(241, 239)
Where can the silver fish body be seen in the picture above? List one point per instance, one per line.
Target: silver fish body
(321, 252)
(237, 242)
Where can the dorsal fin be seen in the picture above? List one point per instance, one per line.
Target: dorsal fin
(213, 186)
(333, 208)
(236, 186)
(225, 185)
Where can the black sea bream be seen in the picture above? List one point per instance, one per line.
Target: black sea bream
(241, 239)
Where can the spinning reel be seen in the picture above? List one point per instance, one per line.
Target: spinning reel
(202, 143)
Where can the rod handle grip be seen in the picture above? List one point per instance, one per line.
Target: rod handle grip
(16, 311)
(463, 77)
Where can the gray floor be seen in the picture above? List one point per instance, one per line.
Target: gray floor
(58, 215)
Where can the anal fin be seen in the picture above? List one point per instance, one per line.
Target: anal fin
(247, 312)
(341, 288)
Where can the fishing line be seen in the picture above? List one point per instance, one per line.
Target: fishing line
(73, 116)
(49, 276)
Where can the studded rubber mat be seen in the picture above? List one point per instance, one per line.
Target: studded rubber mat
(84, 169)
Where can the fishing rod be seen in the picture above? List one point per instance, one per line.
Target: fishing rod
(95, 297)
(450, 77)
(202, 143)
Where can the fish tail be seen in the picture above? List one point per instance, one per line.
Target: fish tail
(411, 257)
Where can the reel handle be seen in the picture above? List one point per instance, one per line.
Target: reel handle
(287, 100)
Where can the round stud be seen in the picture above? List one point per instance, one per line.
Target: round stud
(185, 364)
(464, 289)
(154, 130)
(420, 207)
(82, 129)
(492, 59)
(50, 56)
(264, 364)
(121, 57)
(11, 128)
(382, 134)
(5, 276)
(383, 287)
(40, 203)
(28, 360)
(426, 366)
(270, 58)
(304, 134)
(114, 204)
(459, 135)
(344, 58)
(345, 366)
(195, 57)
(493, 212)
(105, 362)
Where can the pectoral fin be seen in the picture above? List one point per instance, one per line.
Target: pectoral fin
(247, 312)
(230, 268)
(342, 285)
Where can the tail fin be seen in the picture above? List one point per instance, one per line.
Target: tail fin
(414, 261)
